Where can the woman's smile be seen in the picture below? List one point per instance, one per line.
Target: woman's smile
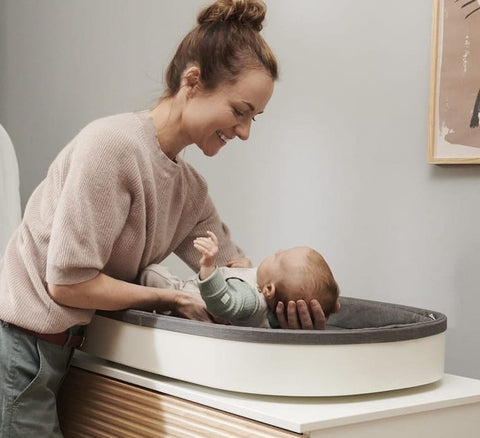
(223, 138)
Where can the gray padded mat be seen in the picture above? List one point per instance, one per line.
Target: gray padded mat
(358, 322)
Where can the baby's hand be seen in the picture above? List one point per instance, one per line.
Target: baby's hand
(208, 247)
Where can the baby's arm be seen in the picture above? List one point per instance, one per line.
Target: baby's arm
(208, 247)
(232, 299)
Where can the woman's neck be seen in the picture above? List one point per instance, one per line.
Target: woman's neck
(167, 118)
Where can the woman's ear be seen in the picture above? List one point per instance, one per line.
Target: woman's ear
(191, 79)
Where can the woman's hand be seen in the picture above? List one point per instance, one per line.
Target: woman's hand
(241, 262)
(298, 315)
(190, 305)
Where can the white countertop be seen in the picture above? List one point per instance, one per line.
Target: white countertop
(300, 414)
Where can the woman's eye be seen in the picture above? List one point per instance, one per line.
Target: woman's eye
(240, 113)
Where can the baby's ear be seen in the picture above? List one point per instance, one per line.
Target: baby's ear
(268, 291)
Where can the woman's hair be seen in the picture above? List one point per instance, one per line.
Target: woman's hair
(225, 42)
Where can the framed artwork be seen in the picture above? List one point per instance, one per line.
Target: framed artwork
(454, 131)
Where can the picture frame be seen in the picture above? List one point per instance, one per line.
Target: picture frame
(454, 110)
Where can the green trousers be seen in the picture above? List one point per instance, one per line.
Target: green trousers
(31, 372)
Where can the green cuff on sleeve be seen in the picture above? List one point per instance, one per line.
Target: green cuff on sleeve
(213, 283)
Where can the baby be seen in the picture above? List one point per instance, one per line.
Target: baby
(249, 296)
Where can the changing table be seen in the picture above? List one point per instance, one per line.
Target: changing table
(102, 399)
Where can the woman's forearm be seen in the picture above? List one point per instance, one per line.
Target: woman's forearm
(107, 293)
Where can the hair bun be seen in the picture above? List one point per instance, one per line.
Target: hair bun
(249, 13)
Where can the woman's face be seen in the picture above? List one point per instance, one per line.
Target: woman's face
(211, 118)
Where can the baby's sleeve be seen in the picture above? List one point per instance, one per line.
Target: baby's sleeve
(233, 299)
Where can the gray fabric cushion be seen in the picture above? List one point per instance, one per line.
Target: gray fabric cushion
(356, 314)
(358, 322)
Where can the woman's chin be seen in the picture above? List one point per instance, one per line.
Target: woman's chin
(210, 152)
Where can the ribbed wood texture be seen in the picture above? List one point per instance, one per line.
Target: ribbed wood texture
(91, 405)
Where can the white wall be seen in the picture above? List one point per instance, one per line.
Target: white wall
(337, 162)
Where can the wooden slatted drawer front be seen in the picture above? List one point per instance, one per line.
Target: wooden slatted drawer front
(91, 405)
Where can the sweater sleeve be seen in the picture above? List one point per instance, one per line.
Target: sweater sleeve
(93, 203)
(209, 221)
(233, 299)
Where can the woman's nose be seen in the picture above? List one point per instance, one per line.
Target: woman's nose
(242, 130)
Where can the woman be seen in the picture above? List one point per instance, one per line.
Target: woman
(119, 198)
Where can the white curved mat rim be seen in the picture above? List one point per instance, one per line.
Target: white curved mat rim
(269, 369)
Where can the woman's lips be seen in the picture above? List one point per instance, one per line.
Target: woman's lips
(223, 138)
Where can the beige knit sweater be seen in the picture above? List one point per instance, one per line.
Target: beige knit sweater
(111, 202)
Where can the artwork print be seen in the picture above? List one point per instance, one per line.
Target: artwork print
(454, 131)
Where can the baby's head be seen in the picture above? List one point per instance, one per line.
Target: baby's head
(299, 273)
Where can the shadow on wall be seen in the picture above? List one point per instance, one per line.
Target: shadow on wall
(465, 321)
(456, 171)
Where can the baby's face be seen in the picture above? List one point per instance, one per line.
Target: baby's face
(284, 262)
